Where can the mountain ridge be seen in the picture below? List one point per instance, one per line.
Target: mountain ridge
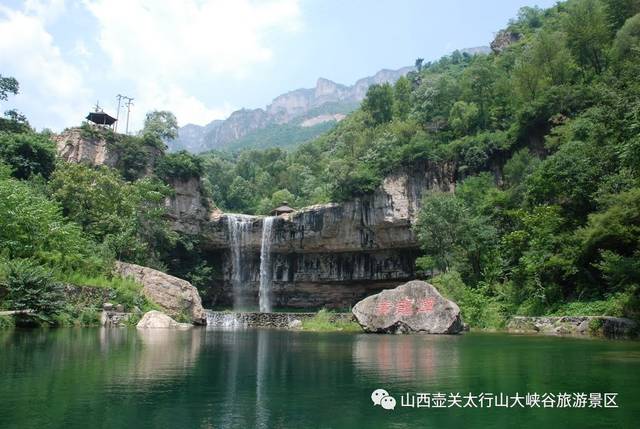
(279, 123)
(283, 109)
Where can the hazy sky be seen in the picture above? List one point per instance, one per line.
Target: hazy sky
(202, 59)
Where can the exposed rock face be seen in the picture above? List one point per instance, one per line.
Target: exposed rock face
(413, 307)
(610, 327)
(186, 207)
(158, 320)
(73, 147)
(294, 105)
(503, 40)
(331, 254)
(176, 296)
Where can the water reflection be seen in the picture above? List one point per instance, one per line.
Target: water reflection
(267, 378)
(407, 357)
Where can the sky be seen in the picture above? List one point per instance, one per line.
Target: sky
(203, 59)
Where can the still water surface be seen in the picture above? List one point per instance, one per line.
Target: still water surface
(123, 378)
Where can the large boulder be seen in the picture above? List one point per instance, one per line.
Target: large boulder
(158, 320)
(415, 306)
(177, 297)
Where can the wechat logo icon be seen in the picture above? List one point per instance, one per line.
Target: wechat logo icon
(381, 397)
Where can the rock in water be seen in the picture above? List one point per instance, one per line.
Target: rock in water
(175, 296)
(158, 320)
(415, 306)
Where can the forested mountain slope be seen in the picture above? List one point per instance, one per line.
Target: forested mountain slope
(542, 138)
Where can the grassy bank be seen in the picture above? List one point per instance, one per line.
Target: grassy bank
(324, 321)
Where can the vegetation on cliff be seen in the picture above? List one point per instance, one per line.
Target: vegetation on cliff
(65, 223)
(541, 138)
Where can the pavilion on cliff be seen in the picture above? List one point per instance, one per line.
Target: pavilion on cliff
(99, 117)
(283, 209)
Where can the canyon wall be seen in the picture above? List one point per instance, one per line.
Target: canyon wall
(330, 255)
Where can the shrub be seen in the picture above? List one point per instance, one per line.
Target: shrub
(27, 154)
(477, 309)
(322, 322)
(180, 165)
(31, 287)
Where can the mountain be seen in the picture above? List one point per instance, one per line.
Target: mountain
(290, 119)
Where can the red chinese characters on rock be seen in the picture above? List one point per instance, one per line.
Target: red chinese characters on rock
(383, 308)
(404, 307)
(426, 305)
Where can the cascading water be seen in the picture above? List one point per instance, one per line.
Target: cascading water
(239, 226)
(265, 264)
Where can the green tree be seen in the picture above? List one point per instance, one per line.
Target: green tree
(8, 85)
(463, 117)
(32, 226)
(27, 154)
(31, 287)
(378, 103)
(180, 165)
(402, 97)
(442, 228)
(129, 217)
(161, 123)
(588, 32)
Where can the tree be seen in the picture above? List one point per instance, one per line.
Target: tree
(180, 165)
(32, 226)
(27, 154)
(588, 33)
(8, 85)
(31, 287)
(402, 98)
(463, 117)
(161, 123)
(442, 228)
(626, 46)
(129, 217)
(378, 103)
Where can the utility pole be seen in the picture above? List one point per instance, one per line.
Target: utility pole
(119, 97)
(129, 103)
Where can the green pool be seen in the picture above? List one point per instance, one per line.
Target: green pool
(123, 378)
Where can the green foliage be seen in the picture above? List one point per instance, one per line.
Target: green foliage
(7, 322)
(161, 124)
(378, 103)
(31, 287)
(128, 217)
(180, 165)
(322, 322)
(477, 309)
(32, 226)
(8, 85)
(123, 290)
(27, 154)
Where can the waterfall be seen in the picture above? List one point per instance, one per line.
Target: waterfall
(239, 226)
(265, 264)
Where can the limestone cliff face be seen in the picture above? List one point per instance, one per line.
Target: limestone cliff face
(297, 105)
(186, 208)
(73, 147)
(332, 254)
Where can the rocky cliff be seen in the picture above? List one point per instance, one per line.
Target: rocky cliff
(331, 254)
(328, 101)
(325, 255)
